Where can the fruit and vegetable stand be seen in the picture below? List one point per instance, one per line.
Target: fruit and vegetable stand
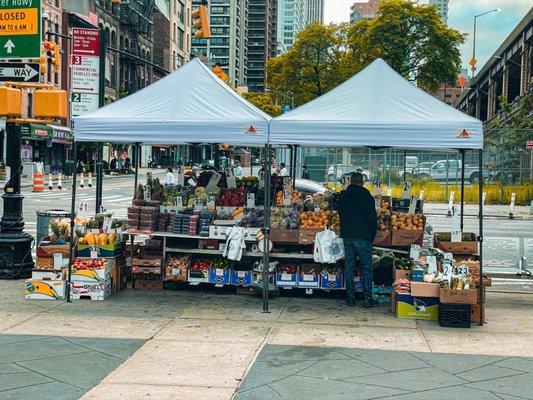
(186, 233)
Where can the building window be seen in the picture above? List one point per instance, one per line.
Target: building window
(180, 38)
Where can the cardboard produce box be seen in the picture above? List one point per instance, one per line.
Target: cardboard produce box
(424, 289)
(308, 276)
(307, 235)
(148, 284)
(90, 290)
(476, 313)
(383, 238)
(47, 250)
(219, 276)
(92, 274)
(48, 275)
(409, 306)
(467, 246)
(105, 250)
(146, 261)
(451, 296)
(284, 235)
(241, 278)
(330, 278)
(403, 238)
(44, 290)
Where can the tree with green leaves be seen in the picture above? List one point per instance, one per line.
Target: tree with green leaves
(314, 65)
(412, 39)
(265, 102)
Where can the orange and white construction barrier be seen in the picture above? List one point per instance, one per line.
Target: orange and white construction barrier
(50, 182)
(82, 181)
(59, 184)
(90, 180)
(38, 181)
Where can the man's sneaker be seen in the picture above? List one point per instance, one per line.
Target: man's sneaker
(350, 302)
(369, 302)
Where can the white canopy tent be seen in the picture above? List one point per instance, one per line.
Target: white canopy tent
(379, 108)
(191, 105)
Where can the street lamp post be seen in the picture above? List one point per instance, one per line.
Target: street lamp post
(473, 61)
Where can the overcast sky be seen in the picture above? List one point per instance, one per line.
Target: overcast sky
(491, 31)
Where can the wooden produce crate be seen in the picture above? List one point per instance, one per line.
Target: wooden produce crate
(146, 270)
(467, 246)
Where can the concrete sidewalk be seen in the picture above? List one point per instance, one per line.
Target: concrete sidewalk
(202, 344)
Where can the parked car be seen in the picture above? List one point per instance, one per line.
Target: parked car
(336, 172)
(307, 186)
(448, 169)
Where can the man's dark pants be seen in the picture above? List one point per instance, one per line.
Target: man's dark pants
(363, 249)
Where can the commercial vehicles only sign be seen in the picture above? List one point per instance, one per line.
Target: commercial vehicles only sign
(85, 71)
(20, 28)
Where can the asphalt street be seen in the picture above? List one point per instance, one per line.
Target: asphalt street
(505, 241)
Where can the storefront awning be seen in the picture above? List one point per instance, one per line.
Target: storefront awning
(62, 134)
(36, 131)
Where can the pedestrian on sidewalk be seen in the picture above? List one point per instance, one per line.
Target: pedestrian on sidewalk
(305, 172)
(170, 177)
(80, 167)
(357, 211)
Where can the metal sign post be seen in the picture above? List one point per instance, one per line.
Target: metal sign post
(20, 29)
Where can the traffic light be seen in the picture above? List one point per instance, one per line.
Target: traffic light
(56, 57)
(201, 22)
(43, 64)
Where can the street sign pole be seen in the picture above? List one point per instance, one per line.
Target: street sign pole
(101, 102)
(20, 29)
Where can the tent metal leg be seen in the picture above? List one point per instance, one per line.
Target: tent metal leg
(266, 228)
(462, 186)
(404, 165)
(99, 177)
(480, 239)
(72, 216)
(137, 156)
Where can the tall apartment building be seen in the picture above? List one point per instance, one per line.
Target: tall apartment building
(172, 28)
(262, 40)
(442, 5)
(229, 38)
(315, 11)
(363, 10)
(294, 16)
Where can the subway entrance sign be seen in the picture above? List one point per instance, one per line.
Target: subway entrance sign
(20, 29)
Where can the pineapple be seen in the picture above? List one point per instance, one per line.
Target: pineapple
(56, 231)
(64, 233)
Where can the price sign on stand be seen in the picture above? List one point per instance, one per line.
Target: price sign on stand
(211, 203)
(147, 193)
(412, 205)
(213, 182)
(107, 225)
(179, 203)
(432, 264)
(198, 204)
(180, 176)
(389, 192)
(317, 207)
(377, 186)
(456, 226)
(232, 182)
(286, 197)
(58, 261)
(414, 253)
(287, 183)
(346, 180)
(250, 200)
(94, 252)
(406, 190)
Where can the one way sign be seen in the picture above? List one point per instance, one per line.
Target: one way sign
(19, 72)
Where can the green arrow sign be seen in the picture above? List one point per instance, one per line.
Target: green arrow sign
(20, 28)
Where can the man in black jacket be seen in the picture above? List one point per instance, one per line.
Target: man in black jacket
(357, 211)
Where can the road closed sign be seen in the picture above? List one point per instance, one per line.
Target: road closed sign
(20, 29)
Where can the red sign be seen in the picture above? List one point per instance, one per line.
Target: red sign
(529, 145)
(86, 42)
